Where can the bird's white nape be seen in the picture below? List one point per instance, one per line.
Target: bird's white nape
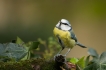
(58, 24)
(65, 27)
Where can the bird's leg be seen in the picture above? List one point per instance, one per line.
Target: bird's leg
(67, 52)
(58, 54)
(60, 51)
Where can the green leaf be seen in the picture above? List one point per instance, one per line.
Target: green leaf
(87, 60)
(19, 41)
(12, 50)
(74, 60)
(102, 67)
(102, 61)
(81, 63)
(98, 62)
(102, 58)
(34, 45)
(90, 67)
(92, 52)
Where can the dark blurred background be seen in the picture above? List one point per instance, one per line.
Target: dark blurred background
(33, 19)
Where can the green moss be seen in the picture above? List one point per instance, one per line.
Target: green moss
(28, 65)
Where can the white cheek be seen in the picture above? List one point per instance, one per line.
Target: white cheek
(65, 27)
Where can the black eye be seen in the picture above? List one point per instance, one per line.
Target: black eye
(65, 23)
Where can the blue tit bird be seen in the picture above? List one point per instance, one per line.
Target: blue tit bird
(64, 34)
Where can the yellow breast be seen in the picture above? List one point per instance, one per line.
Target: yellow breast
(65, 37)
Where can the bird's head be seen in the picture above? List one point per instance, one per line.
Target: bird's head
(64, 24)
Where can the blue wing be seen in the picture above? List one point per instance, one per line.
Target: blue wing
(73, 36)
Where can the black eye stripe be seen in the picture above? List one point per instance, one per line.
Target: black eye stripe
(65, 23)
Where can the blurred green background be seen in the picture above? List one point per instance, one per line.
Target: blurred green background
(33, 19)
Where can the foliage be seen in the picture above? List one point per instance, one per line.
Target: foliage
(48, 49)
(20, 55)
(30, 46)
(80, 63)
(10, 51)
(17, 50)
(98, 62)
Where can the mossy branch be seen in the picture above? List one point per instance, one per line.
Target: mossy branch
(35, 64)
